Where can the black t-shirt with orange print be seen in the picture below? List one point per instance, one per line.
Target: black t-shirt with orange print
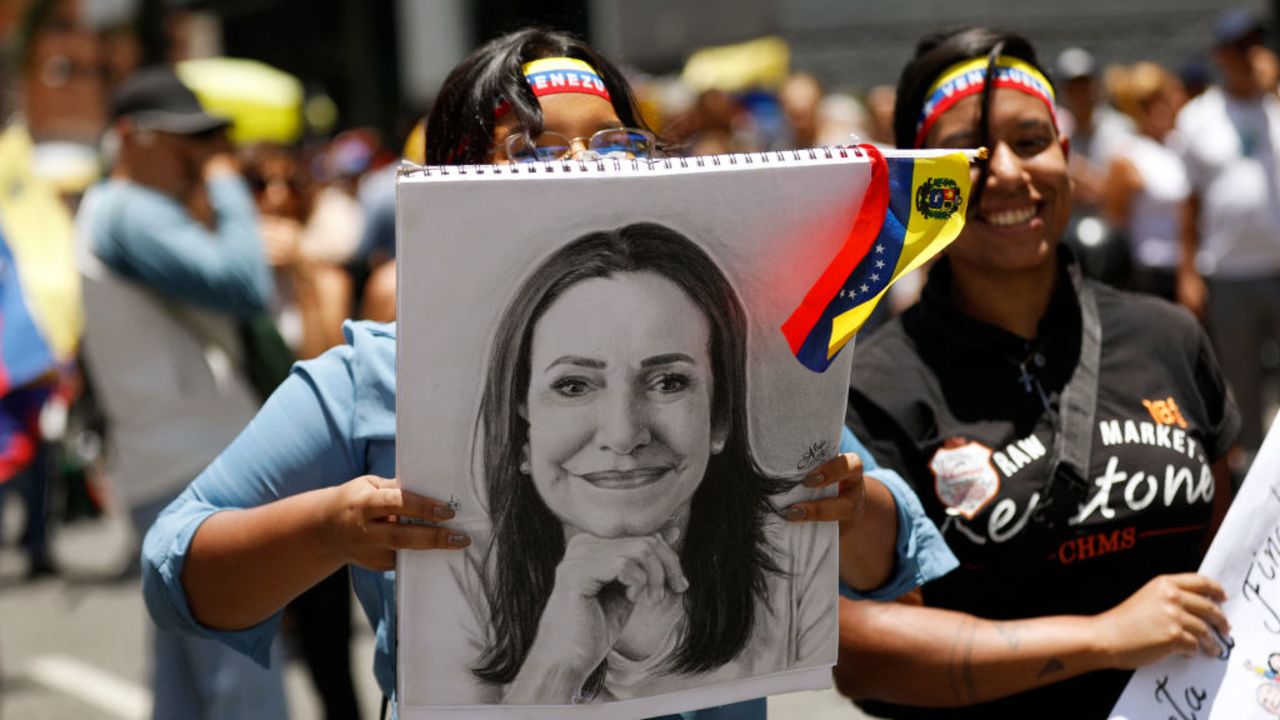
(968, 414)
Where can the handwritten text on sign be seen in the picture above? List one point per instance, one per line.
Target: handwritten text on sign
(1244, 682)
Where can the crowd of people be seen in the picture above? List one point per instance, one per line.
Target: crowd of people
(1111, 197)
(1173, 183)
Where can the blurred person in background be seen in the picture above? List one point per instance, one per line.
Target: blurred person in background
(1093, 126)
(377, 252)
(50, 94)
(313, 301)
(42, 318)
(880, 101)
(377, 194)
(337, 219)
(1095, 130)
(800, 97)
(306, 247)
(718, 123)
(1229, 273)
(1146, 183)
(842, 120)
(62, 72)
(1195, 77)
(173, 265)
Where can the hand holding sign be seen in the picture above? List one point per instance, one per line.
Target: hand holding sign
(1240, 680)
(1170, 614)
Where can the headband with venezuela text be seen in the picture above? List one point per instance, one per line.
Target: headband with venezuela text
(550, 76)
(970, 77)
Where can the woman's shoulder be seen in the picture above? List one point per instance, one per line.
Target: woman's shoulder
(372, 342)
(359, 377)
(887, 348)
(368, 358)
(379, 334)
(888, 366)
(1143, 319)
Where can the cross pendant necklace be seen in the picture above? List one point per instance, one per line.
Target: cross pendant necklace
(1026, 378)
(1029, 380)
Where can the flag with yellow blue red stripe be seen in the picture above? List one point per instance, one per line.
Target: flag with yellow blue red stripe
(40, 313)
(914, 207)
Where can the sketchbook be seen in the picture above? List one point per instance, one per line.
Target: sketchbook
(592, 372)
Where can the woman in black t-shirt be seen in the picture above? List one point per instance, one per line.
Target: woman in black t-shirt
(1065, 437)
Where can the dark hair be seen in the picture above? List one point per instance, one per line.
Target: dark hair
(725, 554)
(938, 51)
(460, 126)
(934, 54)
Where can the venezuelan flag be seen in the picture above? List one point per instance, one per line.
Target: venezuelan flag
(914, 207)
(40, 312)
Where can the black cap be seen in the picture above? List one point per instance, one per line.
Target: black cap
(1236, 25)
(155, 99)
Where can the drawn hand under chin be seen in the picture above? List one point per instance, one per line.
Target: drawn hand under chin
(598, 585)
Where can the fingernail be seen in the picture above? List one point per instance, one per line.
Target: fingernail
(459, 540)
(681, 584)
(815, 479)
(793, 513)
(671, 534)
(444, 512)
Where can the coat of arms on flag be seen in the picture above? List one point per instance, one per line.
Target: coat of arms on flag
(938, 198)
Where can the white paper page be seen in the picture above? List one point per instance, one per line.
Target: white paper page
(1245, 559)
(468, 247)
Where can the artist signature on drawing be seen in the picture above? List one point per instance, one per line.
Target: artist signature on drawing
(817, 453)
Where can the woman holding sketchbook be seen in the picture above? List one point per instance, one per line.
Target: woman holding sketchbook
(1066, 437)
(308, 486)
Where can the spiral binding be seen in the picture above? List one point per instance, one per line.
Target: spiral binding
(567, 167)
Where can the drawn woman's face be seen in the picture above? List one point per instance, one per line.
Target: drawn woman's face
(619, 405)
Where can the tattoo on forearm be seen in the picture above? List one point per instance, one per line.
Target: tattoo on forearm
(952, 677)
(1053, 667)
(970, 685)
(960, 668)
(1010, 634)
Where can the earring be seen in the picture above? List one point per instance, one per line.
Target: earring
(525, 468)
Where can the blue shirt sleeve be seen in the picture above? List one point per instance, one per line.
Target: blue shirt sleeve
(380, 222)
(301, 440)
(153, 240)
(922, 554)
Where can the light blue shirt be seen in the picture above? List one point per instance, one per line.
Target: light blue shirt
(922, 554)
(150, 238)
(333, 420)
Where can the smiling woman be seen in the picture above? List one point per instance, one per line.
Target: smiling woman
(994, 396)
(629, 542)
(620, 430)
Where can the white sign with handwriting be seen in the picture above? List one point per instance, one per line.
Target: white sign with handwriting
(1244, 683)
